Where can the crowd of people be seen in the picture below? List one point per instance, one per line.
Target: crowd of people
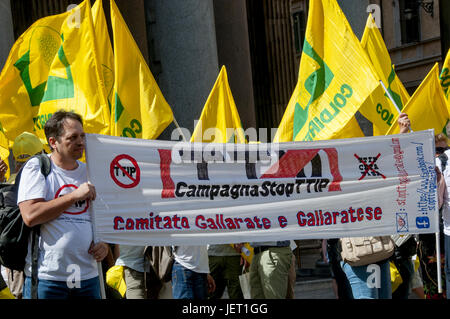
(198, 272)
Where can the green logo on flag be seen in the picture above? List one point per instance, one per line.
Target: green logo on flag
(316, 84)
(118, 107)
(60, 88)
(134, 128)
(57, 88)
(445, 81)
(35, 93)
(397, 99)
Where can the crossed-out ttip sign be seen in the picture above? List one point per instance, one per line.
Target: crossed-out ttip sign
(369, 166)
(125, 171)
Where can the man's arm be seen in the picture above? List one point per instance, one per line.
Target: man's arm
(38, 211)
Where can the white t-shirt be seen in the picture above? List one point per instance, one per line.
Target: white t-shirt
(446, 210)
(194, 258)
(64, 241)
(133, 257)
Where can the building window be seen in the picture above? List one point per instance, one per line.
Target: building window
(410, 21)
(299, 30)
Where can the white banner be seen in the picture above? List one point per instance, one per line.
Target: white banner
(173, 193)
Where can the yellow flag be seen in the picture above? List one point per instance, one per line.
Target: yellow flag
(74, 82)
(140, 110)
(351, 129)
(285, 130)
(219, 121)
(104, 49)
(427, 107)
(24, 77)
(445, 78)
(378, 108)
(335, 76)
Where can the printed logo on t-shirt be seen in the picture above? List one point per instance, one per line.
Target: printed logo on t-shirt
(79, 207)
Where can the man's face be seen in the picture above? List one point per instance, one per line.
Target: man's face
(71, 144)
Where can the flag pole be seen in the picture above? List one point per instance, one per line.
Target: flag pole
(100, 278)
(179, 129)
(438, 262)
(91, 213)
(390, 97)
(392, 100)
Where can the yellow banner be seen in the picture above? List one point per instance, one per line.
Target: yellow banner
(74, 81)
(378, 108)
(140, 109)
(427, 107)
(335, 77)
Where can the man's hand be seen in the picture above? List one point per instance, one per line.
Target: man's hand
(99, 250)
(85, 191)
(3, 169)
(211, 284)
(39, 211)
(238, 247)
(404, 123)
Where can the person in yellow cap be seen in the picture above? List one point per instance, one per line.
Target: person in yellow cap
(25, 146)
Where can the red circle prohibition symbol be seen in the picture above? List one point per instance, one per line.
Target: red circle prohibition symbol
(72, 213)
(115, 163)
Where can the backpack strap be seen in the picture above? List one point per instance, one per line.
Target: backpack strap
(35, 233)
(45, 163)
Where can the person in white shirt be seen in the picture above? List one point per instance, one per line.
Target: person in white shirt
(67, 257)
(190, 273)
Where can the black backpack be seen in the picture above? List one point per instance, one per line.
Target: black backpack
(14, 233)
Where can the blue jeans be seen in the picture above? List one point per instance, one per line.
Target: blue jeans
(447, 264)
(188, 284)
(50, 289)
(369, 283)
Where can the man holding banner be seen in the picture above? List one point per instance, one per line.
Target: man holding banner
(59, 204)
